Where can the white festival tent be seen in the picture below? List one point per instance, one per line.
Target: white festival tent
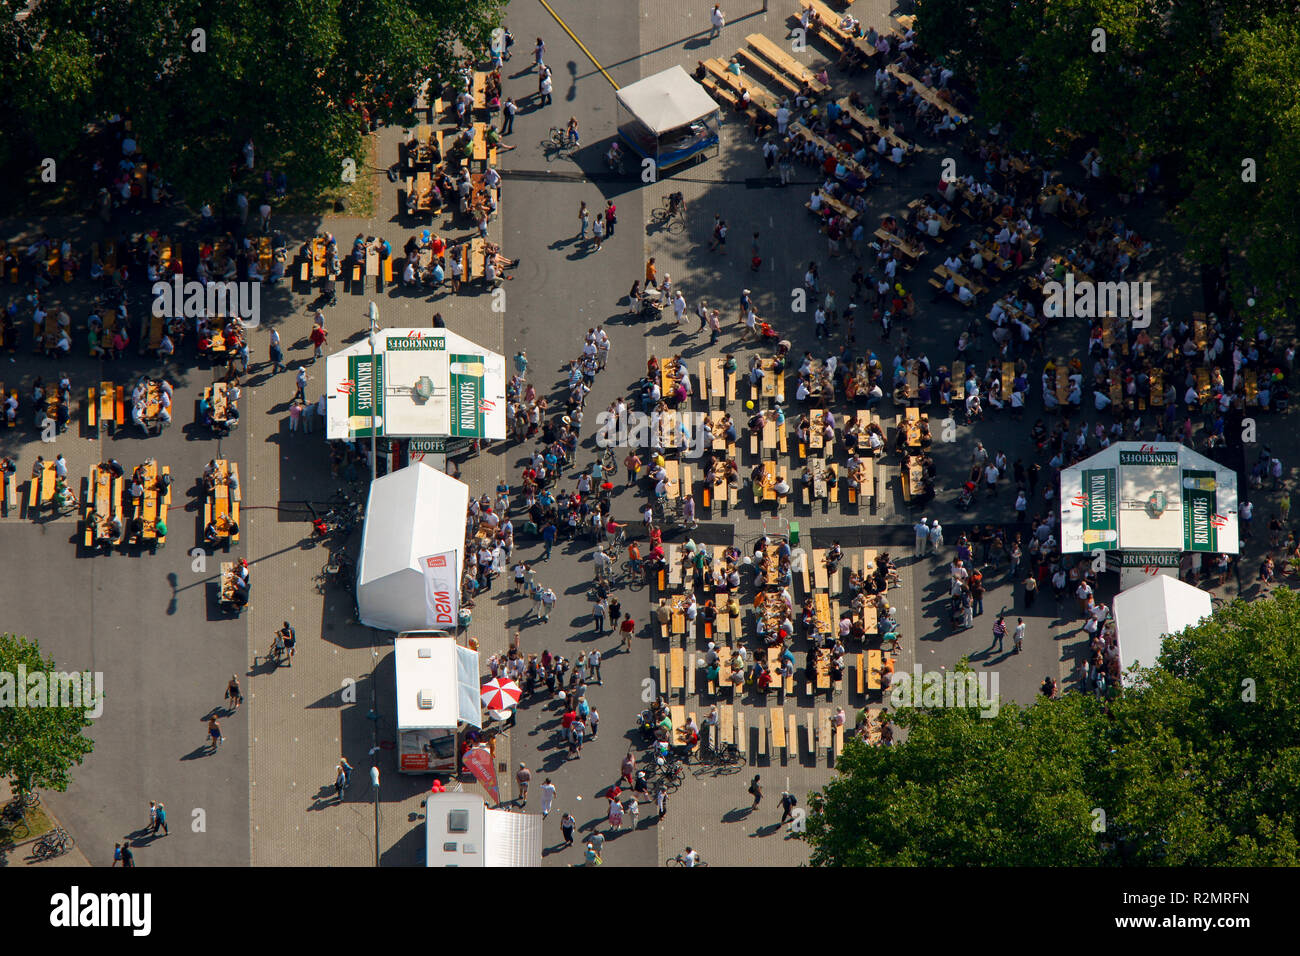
(413, 513)
(1155, 608)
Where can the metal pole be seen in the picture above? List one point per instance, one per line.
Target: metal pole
(374, 397)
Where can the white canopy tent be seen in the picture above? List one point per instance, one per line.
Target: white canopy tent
(414, 512)
(1155, 608)
(666, 117)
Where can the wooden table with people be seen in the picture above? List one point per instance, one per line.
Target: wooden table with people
(221, 509)
(841, 155)
(720, 382)
(927, 94)
(874, 128)
(911, 424)
(151, 507)
(912, 250)
(103, 506)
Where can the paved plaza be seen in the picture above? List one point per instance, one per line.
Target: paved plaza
(150, 621)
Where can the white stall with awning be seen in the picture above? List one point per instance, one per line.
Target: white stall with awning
(668, 117)
(414, 514)
(460, 830)
(1155, 608)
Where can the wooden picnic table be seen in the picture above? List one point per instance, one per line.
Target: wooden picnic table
(842, 156)
(668, 433)
(830, 23)
(766, 489)
(764, 100)
(912, 419)
(912, 250)
(818, 468)
(1202, 385)
(673, 478)
(928, 94)
(869, 125)
(786, 62)
(1156, 386)
(1062, 381)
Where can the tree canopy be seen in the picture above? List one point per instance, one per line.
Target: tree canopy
(293, 75)
(38, 744)
(1195, 764)
(1197, 86)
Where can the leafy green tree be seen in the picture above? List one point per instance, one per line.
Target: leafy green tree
(1196, 763)
(1197, 86)
(198, 78)
(38, 745)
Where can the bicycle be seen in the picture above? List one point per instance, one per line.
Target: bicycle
(680, 860)
(55, 843)
(673, 207)
(633, 574)
(558, 140)
(665, 515)
(609, 464)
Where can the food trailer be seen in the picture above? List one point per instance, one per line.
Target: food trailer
(668, 118)
(437, 698)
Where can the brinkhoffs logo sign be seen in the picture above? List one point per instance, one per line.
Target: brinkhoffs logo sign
(438, 562)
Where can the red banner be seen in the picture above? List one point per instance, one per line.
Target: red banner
(478, 760)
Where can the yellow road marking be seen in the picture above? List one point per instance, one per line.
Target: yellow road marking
(573, 36)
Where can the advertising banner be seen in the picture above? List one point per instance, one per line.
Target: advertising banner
(1100, 525)
(1200, 520)
(478, 761)
(364, 388)
(467, 398)
(441, 590)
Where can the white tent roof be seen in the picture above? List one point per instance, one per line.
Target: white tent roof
(412, 513)
(1146, 613)
(667, 100)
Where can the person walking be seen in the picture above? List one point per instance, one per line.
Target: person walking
(548, 538)
(234, 694)
(300, 380)
(615, 612)
(626, 629)
(508, 111)
(117, 854)
(548, 603)
(591, 856)
(160, 820)
(593, 667)
(788, 802)
(1020, 633)
(598, 614)
(128, 858)
(633, 808)
(584, 220)
(999, 632)
(214, 733)
(615, 815)
(936, 536)
(756, 791)
(153, 817)
(317, 338)
(276, 352)
(548, 797)
(539, 51)
(627, 768)
(567, 823)
(594, 719)
(610, 218)
(522, 776)
(546, 86)
(598, 231)
(661, 802)
(922, 529)
(340, 782)
(717, 20)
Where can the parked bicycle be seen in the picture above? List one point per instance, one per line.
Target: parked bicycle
(55, 843)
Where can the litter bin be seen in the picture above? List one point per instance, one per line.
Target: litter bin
(794, 534)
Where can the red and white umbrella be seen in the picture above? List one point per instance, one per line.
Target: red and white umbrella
(498, 694)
